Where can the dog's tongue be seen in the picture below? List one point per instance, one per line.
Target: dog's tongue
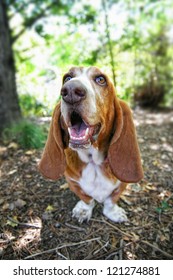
(79, 131)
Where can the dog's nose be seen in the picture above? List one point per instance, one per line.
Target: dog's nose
(73, 92)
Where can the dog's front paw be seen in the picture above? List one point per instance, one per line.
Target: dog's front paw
(114, 212)
(83, 211)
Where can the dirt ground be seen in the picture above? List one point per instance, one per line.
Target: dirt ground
(35, 214)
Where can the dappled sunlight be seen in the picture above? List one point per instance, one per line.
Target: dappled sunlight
(154, 147)
(162, 147)
(153, 118)
(167, 147)
(30, 235)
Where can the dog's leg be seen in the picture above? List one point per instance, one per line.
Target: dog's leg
(113, 212)
(118, 191)
(83, 211)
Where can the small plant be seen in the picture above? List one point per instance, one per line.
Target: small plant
(27, 134)
(164, 206)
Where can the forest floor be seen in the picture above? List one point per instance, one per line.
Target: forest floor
(35, 214)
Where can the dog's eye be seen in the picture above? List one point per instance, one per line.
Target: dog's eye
(67, 78)
(100, 80)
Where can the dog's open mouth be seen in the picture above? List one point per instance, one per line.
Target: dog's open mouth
(81, 134)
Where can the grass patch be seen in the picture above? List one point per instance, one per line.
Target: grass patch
(27, 134)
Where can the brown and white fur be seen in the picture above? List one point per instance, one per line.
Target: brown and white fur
(92, 141)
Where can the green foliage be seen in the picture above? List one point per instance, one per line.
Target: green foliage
(27, 134)
(146, 36)
(85, 14)
(65, 32)
(31, 106)
(164, 206)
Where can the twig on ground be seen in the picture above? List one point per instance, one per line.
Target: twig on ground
(113, 226)
(143, 241)
(141, 227)
(117, 250)
(169, 198)
(75, 227)
(61, 255)
(103, 247)
(157, 249)
(60, 247)
(23, 224)
(121, 249)
(7, 241)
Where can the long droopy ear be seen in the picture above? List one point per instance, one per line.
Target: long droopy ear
(52, 163)
(123, 154)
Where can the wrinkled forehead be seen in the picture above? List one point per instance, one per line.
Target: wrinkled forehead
(75, 72)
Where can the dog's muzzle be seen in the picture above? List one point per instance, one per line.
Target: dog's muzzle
(73, 92)
(81, 132)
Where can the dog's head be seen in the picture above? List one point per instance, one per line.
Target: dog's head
(89, 113)
(87, 105)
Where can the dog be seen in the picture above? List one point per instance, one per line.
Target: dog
(92, 141)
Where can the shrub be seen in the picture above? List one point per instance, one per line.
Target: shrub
(27, 134)
(30, 106)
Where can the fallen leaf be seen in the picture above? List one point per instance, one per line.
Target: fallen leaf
(12, 172)
(156, 163)
(49, 208)
(19, 203)
(135, 237)
(1, 201)
(3, 150)
(13, 145)
(13, 223)
(5, 206)
(150, 187)
(162, 238)
(136, 187)
(64, 186)
(30, 152)
(28, 176)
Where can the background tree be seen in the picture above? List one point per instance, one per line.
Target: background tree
(9, 109)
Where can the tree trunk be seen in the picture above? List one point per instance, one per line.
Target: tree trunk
(9, 105)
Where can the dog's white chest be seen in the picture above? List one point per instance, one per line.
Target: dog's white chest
(95, 184)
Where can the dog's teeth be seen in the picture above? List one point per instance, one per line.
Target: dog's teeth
(78, 138)
(69, 131)
(87, 131)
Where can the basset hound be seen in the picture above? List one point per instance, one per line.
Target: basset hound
(92, 141)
